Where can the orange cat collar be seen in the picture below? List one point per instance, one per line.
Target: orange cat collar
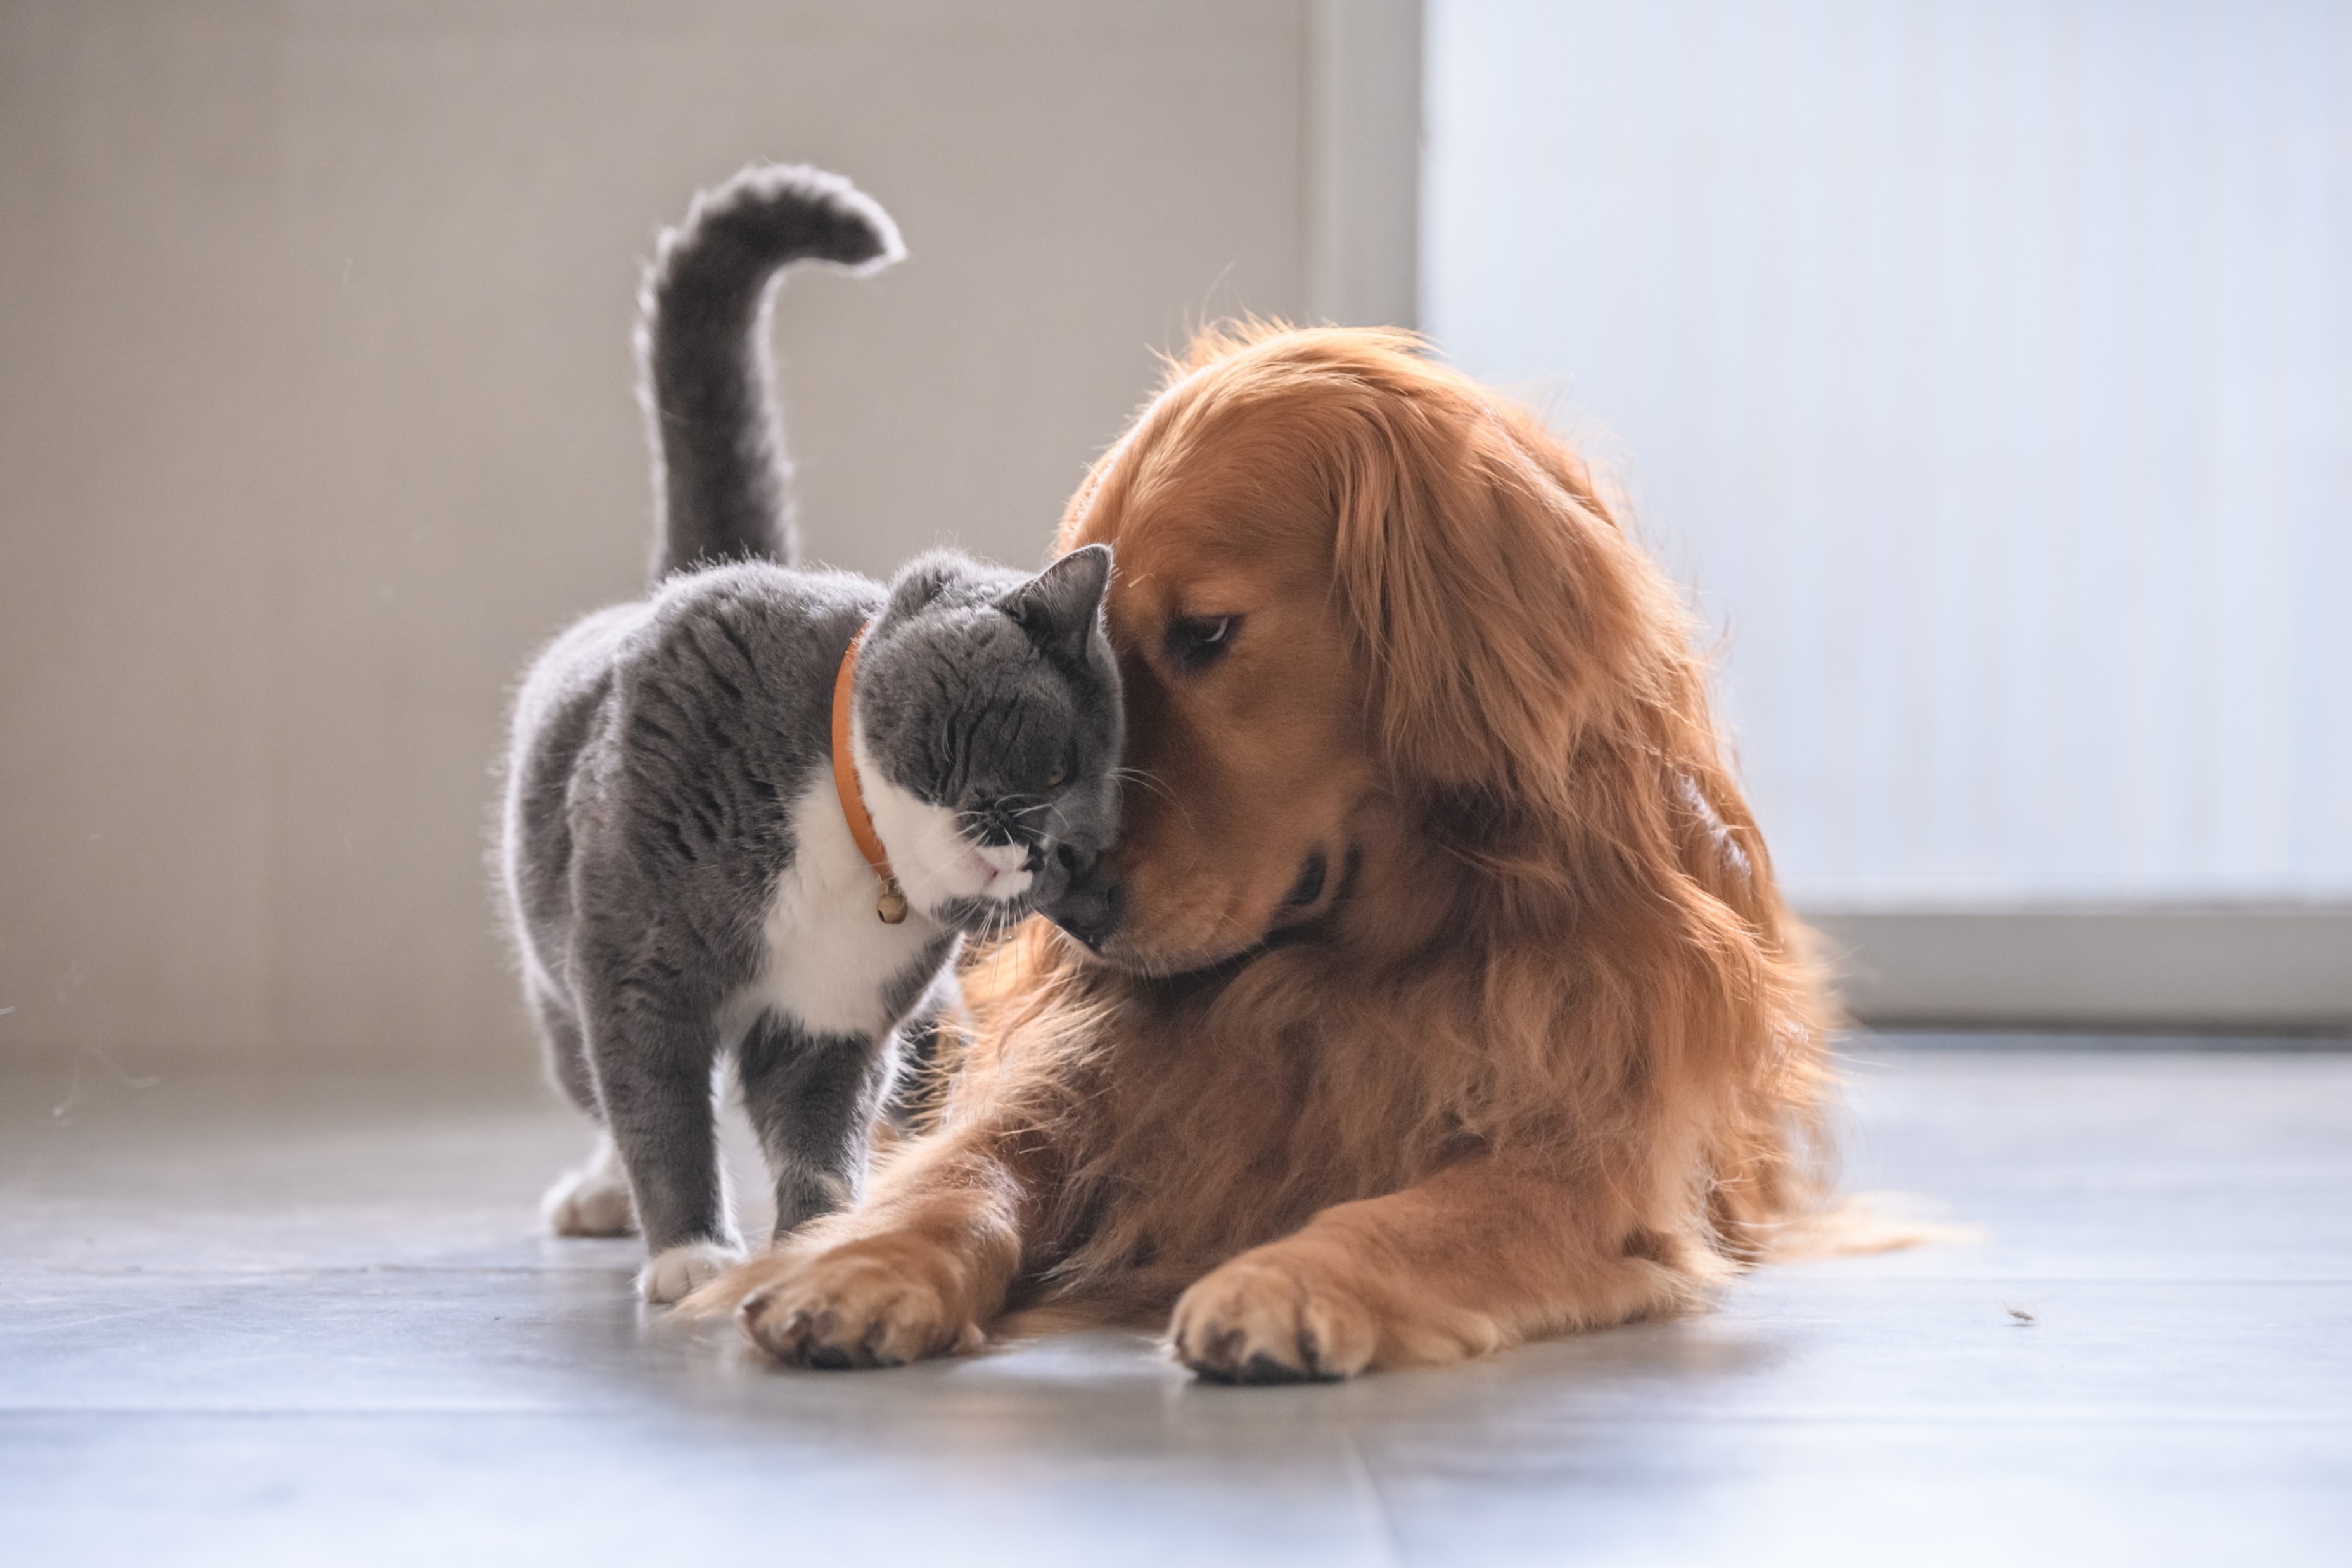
(891, 907)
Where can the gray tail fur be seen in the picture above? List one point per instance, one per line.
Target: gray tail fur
(721, 480)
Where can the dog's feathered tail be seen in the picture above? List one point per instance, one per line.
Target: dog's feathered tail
(721, 480)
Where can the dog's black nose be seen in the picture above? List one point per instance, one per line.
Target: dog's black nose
(1088, 904)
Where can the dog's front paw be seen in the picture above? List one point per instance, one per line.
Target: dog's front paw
(1267, 1318)
(676, 1271)
(874, 1303)
(592, 1200)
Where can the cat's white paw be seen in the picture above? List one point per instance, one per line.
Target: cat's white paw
(592, 1200)
(682, 1270)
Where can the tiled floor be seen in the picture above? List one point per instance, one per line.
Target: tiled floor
(253, 1323)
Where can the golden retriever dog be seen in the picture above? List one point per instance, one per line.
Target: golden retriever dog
(1437, 995)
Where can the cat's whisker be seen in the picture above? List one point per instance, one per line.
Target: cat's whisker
(1137, 776)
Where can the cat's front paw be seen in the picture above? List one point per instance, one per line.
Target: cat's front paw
(592, 1200)
(868, 1303)
(678, 1271)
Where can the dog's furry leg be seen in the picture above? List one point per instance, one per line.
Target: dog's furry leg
(919, 1270)
(1481, 1257)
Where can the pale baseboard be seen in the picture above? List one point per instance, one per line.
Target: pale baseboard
(2281, 968)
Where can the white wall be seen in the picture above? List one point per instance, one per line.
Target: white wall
(315, 417)
(1986, 366)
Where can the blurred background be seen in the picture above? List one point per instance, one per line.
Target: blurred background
(1984, 370)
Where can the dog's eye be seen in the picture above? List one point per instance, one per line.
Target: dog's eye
(1195, 641)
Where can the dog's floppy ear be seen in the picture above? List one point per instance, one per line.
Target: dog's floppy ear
(1496, 607)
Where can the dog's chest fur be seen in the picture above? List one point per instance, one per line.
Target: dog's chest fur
(828, 962)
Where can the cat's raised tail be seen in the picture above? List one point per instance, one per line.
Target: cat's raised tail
(722, 483)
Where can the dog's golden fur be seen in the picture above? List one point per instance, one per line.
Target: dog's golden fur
(1543, 1051)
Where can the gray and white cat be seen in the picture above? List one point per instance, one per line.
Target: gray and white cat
(680, 862)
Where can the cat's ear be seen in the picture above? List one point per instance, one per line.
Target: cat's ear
(1060, 607)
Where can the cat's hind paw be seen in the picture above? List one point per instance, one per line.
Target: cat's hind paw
(678, 1271)
(592, 1200)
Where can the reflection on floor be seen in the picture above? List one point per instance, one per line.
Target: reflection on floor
(253, 1322)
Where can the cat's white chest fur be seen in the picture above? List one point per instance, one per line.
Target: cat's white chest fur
(830, 960)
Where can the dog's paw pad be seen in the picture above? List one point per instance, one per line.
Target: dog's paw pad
(681, 1270)
(851, 1308)
(1263, 1319)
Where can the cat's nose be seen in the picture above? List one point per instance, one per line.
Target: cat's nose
(996, 824)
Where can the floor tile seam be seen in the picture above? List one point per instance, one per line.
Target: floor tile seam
(1366, 1484)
